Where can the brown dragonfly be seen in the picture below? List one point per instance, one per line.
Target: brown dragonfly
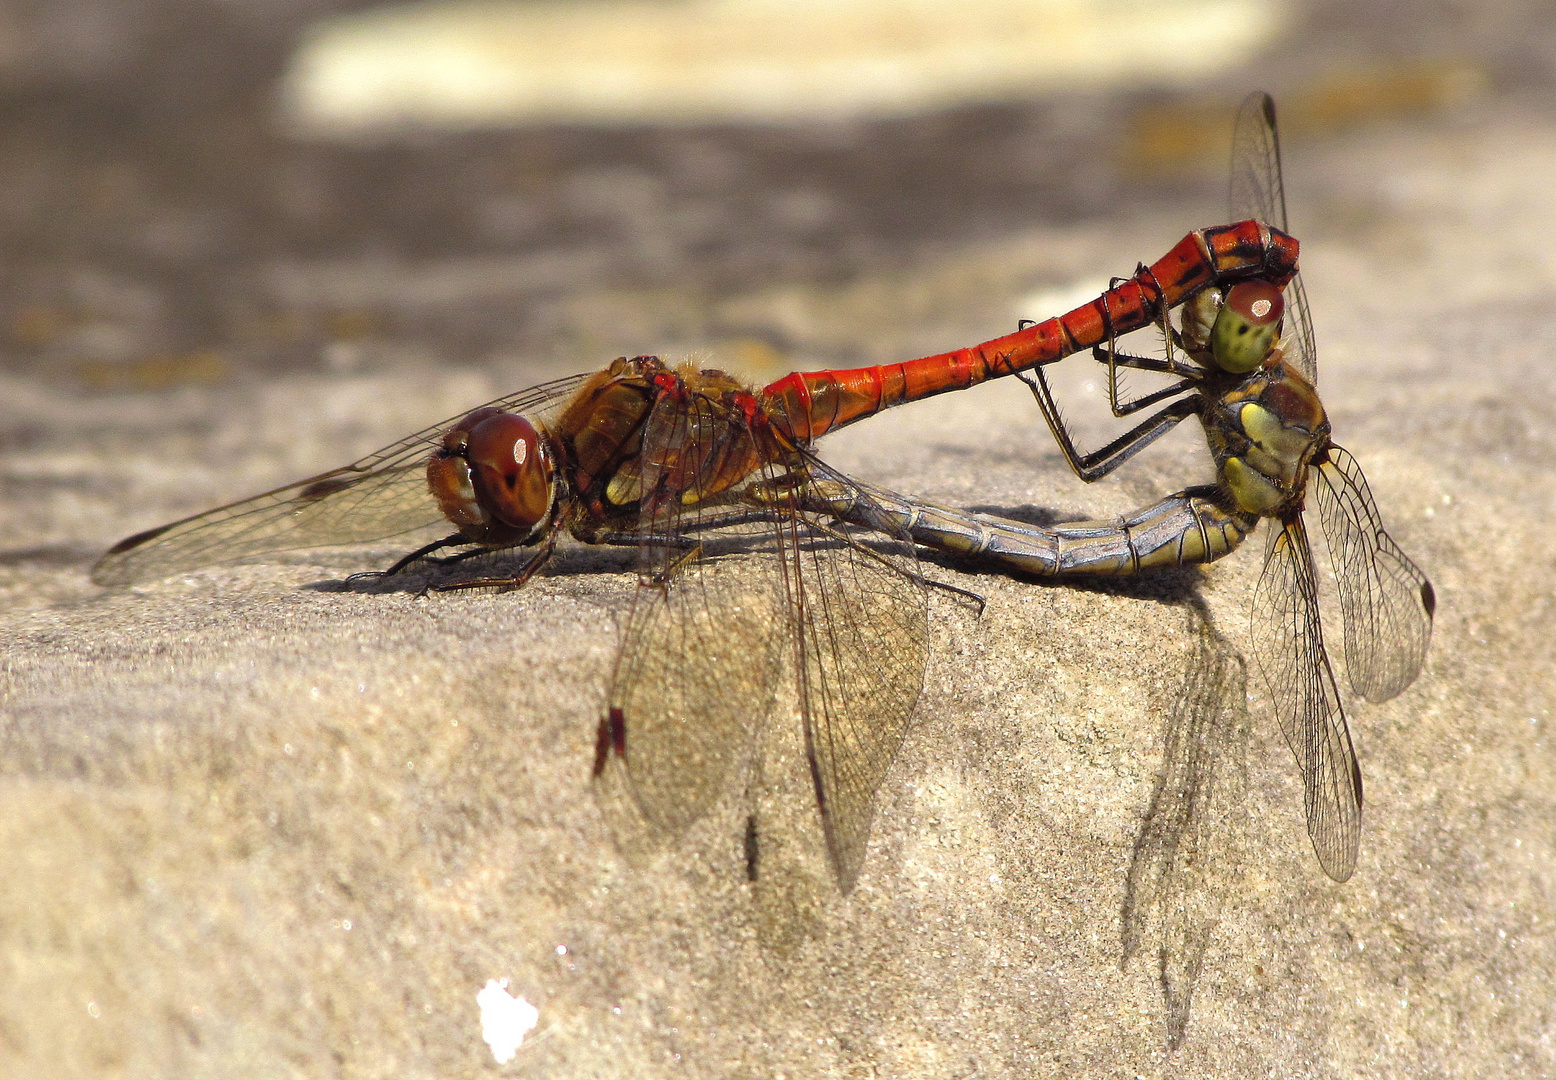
(737, 582)
(1253, 390)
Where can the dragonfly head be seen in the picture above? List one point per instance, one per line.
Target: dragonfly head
(1247, 326)
(493, 477)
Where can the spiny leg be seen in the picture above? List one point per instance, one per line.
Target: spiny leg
(418, 555)
(721, 520)
(525, 572)
(1170, 365)
(688, 553)
(1187, 372)
(1098, 463)
(1114, 360)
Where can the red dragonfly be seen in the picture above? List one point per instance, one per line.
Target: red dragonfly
(1253, 392)
(686, 466)
(740, 579)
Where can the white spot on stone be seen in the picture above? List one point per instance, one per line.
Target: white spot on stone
(505, 1020)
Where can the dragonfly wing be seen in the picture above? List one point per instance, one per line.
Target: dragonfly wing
(1296, 672)
(702, 647)
(693, 681)
(1386, 600)
(862, 637)
(1297, 340)
(383, 495)
(1258, 191)
(346, 506)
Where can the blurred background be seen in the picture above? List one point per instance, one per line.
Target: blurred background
(199, 191)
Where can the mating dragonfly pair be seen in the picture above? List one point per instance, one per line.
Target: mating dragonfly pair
(754, 558)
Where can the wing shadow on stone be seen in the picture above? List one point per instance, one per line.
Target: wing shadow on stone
(1183, 854)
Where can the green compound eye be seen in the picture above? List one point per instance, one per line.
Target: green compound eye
(1246, 328)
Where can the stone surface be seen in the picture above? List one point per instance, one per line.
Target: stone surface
(256, 826)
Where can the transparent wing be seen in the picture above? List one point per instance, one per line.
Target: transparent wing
(862, 619)
(1297, 339)
(1386, 600)
(1296, 672)
(1256, 188)
(1257, 191)
(703, 646)
(381, 496)
(728, 582)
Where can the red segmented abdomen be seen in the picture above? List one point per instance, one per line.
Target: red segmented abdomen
(811, 403)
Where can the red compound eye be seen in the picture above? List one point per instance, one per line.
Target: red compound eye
(1258, 302)
(511, 468)
(493, 470)
(1246, 327)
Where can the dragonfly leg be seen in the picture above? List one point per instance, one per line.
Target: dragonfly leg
(525, 572)
(1134, 405)
(455, 560)
(1114, 360)
(1098, 463)
(1110, 355)
(976, 599)
(707, 523)
(1103, 355)
(662, 576)
(416, 556)
(633, 539)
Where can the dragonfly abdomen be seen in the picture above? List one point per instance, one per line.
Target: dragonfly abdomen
(1190, 527)
(1183, 529)
(811, 403)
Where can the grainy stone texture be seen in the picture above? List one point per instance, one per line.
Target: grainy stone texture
(256, 828)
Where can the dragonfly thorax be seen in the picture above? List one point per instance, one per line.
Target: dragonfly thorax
(493, 478)
(643, 436)
(1264, 432)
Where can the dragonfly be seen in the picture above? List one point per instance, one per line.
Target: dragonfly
(688, 465)
(1247, 371)
(736, 582)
